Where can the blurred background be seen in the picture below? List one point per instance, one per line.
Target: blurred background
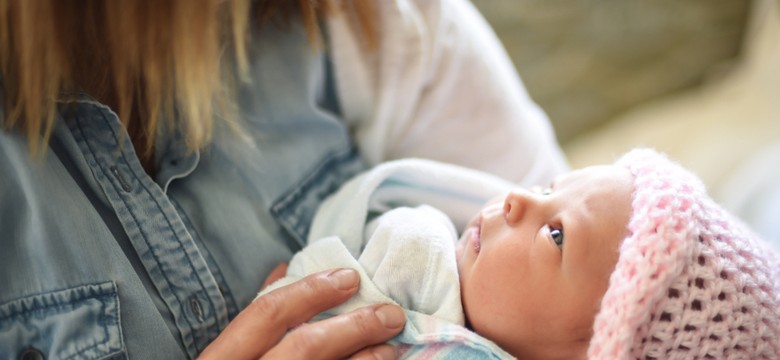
(697, 79)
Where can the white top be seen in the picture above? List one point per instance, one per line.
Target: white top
(439, 66)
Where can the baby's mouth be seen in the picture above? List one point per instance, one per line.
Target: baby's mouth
(476, 239)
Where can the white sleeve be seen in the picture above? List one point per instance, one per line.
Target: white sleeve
(440, 86)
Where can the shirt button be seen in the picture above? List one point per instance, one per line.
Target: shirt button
(31, 353)
(196, 308)
(126, 186)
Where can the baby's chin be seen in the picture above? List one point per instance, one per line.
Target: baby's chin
(465, 252)
(459, 248)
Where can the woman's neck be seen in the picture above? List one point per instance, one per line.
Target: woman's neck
(91, 71)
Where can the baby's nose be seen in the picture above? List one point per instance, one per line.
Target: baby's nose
(517, 203)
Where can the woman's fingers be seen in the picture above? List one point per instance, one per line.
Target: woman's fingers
(342, 335)
(265, 321)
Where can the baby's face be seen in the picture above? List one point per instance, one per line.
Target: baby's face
(534, 264)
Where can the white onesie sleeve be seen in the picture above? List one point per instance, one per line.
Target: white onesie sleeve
(410, 257)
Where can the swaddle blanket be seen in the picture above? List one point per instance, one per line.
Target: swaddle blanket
(397, 225)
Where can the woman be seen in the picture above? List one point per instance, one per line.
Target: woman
(160, 158)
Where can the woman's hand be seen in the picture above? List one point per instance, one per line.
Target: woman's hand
(274, 325)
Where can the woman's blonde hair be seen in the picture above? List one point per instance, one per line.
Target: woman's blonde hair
(154, 56)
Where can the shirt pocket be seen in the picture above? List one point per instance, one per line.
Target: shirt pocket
(76, 323)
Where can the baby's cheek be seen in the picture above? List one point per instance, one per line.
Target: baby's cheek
(478, 307)
(503, 324)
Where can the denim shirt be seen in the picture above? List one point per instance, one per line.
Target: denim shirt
(100, 260)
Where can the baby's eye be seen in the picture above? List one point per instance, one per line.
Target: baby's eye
(557, 236)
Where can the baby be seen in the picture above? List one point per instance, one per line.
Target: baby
(630, 260)
(534, 265)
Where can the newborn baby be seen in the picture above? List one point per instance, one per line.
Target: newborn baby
(625, 260)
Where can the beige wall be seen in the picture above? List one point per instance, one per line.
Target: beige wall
(585, 61)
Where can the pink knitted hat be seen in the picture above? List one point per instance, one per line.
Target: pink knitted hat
(691, 281)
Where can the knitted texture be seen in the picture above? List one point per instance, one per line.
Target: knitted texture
(691, 282)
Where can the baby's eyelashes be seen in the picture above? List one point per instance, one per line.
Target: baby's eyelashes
(541, 190)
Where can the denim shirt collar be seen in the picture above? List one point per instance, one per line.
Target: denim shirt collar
(172, 159)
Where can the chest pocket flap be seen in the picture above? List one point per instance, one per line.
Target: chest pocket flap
(76, 323)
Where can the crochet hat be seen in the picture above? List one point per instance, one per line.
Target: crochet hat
(691, 281)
